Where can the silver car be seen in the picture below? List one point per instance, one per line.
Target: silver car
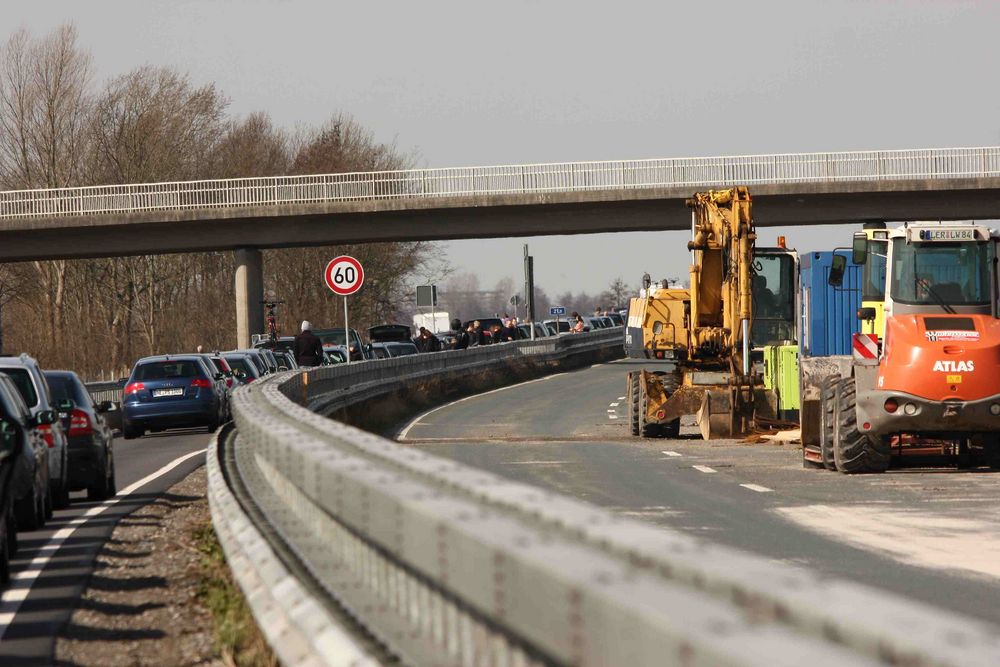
(34, 389)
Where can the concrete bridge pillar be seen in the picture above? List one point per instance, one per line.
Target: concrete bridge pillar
(249, 294)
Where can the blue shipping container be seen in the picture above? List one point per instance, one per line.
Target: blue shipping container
(829, 314)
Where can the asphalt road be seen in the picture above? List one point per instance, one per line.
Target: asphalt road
(53, 565)
(930, 534)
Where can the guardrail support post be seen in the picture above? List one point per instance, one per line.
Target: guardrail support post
(249, 293)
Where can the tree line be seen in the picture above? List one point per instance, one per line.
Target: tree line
(59, 127)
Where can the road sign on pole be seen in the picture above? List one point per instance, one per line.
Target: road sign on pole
(557, 311)
(344, 276)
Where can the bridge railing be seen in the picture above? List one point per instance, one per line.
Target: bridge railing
(509, 179)
(450, 565)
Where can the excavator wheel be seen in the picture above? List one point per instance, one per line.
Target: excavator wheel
(646, 429)
(855, 452)
(671, 382)
(827, 416)
(633, 402)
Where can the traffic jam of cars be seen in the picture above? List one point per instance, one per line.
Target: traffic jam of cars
(56, 439)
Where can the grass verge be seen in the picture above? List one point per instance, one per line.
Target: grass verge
(237, 637)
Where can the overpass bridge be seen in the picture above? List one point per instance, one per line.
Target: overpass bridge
(249, 214)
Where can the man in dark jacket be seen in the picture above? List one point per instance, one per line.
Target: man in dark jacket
(461, 336)
(308, 347)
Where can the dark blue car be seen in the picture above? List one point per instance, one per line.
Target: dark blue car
(171, 392)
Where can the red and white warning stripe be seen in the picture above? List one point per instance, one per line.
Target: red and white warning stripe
(865, 346)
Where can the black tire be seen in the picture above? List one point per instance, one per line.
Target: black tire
(827, 417)
(28, 514)
(633, 402)
(103, 488)
(48, 505)
(855, 452)
(60, 495)
(5, 556)
(646, 429)
(671, 383)
(130, 432)
(12, 544)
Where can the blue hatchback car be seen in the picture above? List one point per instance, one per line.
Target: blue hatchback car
(171, 392)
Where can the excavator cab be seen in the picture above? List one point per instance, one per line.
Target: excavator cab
(775, 292)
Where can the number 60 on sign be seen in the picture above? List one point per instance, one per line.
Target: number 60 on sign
(344, 275)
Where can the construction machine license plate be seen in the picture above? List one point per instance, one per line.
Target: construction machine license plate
(157, 393)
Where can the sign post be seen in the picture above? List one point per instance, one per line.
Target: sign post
(557, 311)
(344, 276)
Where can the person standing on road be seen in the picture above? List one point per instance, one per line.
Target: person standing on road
(461, 336)
(308, 347)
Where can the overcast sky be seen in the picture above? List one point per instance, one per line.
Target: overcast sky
(474, 83)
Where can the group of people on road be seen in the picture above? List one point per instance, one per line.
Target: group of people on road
(309, 348)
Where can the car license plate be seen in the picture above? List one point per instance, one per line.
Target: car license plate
(157, 393)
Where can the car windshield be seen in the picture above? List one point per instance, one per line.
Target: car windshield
(166, 370)
(22, 379)
(336, 337)
(956, 274)
(873, 275)
(64, 386)
(402, 350)
(380, 352)
(773, 299)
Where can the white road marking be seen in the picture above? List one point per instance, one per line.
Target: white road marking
(757, 487)
(621, 398)
(22, 581)
(612, 416)
(704, 469)
(402, 434)
(613, 405)
(669, 453)
(612, 411)
(937, 541)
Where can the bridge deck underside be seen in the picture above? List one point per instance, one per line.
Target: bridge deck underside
(577, 212)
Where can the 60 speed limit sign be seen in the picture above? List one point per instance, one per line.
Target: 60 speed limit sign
(344, 275)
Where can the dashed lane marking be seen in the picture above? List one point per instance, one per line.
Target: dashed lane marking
(613, 405)
(757, 487)
(669, 453)
(704, 469)
(621, 398)
(612, 416)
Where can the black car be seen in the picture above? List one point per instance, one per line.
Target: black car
(31, 494)
(16, 437)
(91, 452)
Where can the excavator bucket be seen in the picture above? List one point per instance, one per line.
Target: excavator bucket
(720, 415)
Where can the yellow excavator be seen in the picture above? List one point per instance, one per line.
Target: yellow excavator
(705, 330)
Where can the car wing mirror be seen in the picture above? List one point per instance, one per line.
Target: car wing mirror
(64, 405)
(8, 435)
(239, 374)
(107, 406)
(45, 417)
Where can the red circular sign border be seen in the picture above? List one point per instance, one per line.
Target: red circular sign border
(329, 279)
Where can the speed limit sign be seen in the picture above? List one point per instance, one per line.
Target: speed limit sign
(344, 275)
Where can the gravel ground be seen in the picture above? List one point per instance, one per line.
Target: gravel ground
(146, 610)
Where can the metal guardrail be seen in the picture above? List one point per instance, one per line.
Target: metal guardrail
(449, 565)
(510, 179)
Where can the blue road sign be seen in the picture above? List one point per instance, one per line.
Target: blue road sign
(557, 310)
